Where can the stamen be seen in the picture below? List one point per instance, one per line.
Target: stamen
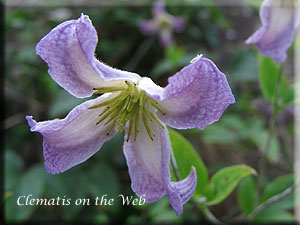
(111, 128)
(129, 129)
(130, 106)
(155, 105)
(146, 124)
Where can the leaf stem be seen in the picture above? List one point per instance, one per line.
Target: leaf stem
(272, 200)
(271, 127)
(174, 165)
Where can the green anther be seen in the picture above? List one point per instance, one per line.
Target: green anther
(104, 117)
(111, 128)
(104, 111)
(146, 124)
(136, 124)
(155, 105)
(129, 129)
(156, 119)
(106, 102)
(107, 90)
(130, 106)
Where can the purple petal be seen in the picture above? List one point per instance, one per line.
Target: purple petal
(178, 24)
(70, 141)
(166, 37)
(278, 28)
(158, 8)
(148, 27)
(68, 50)
(69, 56)
(195, 96)
(148, 164)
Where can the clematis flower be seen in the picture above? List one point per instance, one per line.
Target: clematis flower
(279, 22)
(195, 96)
(162, 24)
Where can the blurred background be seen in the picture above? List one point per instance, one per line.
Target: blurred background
(237, 138)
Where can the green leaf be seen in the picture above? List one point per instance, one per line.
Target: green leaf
(277, 186)
(225, 180)
(267, 74)
(186, 157)
(247, 195)
(174, 54)
(32, 183)
(63, 103)
(259, 137)
(274, 216)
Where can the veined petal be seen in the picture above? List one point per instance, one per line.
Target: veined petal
(68, 50)
(278, 28)
(148, 164)
(195, 96)
(69, 56)
(72, 140)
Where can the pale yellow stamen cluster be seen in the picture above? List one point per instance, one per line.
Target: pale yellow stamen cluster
(128, 105)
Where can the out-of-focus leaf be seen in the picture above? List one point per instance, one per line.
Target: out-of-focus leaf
(244, 66)
(277, 186)
(288, 97)
(268, 73)
(225, 180)
(174, 54)
(160, 68)
(13, 165)
(186, 157)
(247, 195)
(259, 137)
(100, 179)
(32, 183)
(227, 130)
(218, 134)
(274, 216)
(63, 104)
(161, 213)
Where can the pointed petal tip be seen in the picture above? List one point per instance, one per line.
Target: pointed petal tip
(31, 121)
(84, 18)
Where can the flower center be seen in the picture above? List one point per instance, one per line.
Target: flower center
(164, 22)
(128, 104)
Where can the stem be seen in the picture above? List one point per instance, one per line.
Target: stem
(207, 213)
(174, 166)
(271, 127)
(272, 200)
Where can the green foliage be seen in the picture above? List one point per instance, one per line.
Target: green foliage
(225, 180)
(269, 73)
(277, 186)
(247, 195)
(241, 131)
(277, 212)
(25, 187)
(186, 157)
